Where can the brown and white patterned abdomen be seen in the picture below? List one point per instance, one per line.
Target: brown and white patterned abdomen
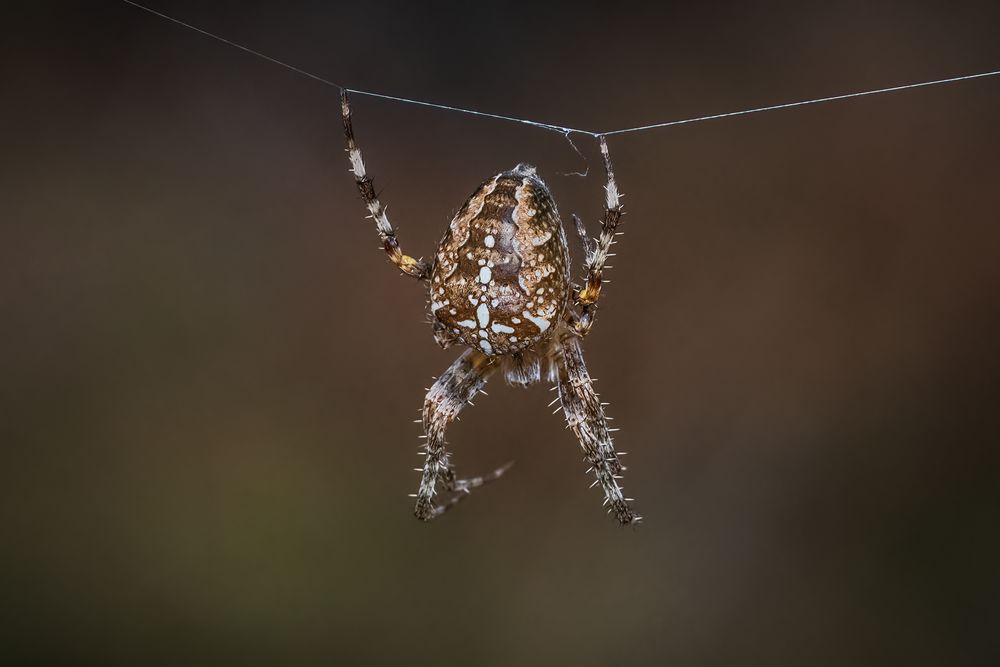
(500, 280)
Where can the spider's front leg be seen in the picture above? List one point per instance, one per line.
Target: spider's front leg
(585, 416)
(408, 265)
(598, 250)
(456, 387)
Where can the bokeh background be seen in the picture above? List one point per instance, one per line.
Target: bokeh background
(210, 372)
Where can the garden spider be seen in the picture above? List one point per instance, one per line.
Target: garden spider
(499, 285)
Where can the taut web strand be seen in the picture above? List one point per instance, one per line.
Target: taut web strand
(565, 131)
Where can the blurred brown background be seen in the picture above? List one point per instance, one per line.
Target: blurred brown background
(210, 372)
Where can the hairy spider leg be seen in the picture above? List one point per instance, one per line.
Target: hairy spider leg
(585, 416)
(598, 250)
(408, 265)
(456, 387)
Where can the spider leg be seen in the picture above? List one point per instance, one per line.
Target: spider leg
(408, 265)
(598, 250)
(456, 387)
(586, 418)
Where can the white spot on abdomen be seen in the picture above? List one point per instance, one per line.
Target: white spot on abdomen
(487, 348)
(485, 275)
(490, 241)
(483, 314)
(468, 324)
(501, 328)
(539, 240)
(540, 322)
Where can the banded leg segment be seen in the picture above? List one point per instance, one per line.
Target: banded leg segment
(598, 250)
(586, 418)
(456, 387)
(408, 265)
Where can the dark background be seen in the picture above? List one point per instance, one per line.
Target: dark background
(210, 372)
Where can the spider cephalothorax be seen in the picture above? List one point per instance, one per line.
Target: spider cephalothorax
(499, 285)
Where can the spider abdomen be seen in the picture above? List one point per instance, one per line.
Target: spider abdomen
(499, 281)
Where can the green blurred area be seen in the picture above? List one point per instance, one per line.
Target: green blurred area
(210, 371)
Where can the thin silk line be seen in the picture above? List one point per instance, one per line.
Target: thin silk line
(802, 103)
(544, 126)
(233, 44)
(565, 131)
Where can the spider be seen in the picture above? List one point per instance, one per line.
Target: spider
(499, 286)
